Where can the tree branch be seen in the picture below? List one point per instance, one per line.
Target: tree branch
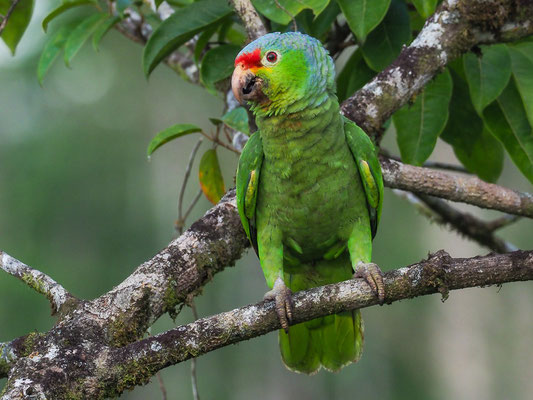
(456, 27)
(250, 18)
(92, 353)
(438, 274)
(101, 371)
(462, 189)
(38, 281)
(465, 223)
(176, 273)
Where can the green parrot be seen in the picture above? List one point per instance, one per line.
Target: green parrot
(309, 192)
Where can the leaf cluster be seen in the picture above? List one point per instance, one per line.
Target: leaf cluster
(481, 105)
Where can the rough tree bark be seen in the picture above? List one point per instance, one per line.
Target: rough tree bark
(96, 349)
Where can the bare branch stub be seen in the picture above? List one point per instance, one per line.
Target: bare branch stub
(38, 281)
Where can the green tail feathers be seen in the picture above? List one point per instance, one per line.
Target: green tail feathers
(330, 342)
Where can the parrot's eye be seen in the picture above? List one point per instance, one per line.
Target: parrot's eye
(270, 58)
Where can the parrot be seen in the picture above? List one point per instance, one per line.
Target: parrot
(309, 192)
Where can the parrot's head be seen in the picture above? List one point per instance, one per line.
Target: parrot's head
(283, 72)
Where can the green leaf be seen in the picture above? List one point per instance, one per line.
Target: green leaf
(218, 64)
(385, 42)
(102, 29)
(416, 21)
(507, 121)
(522, 65)
(180, 27)
(323, 22)
(485, 157)
(353, 76)
(223, 29)
(65, 5)
(464, 131)
(235, 36)
(418, 126)
(488, 75)
(17, 23)
(210, 176)
(284, 10)
(180, 3)
(51, 50)
(363, 15)
(237, 119)
(202, 41)
(169, 134)
(80, 34)
(425, 7)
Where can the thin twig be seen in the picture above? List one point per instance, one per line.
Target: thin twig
(194, 378)
(162, 386)
(38, 281)
(8, 14)
(180, 223)
(294, 24)
(220, 143)
(462, 222)
(193, 203)
(502, 222)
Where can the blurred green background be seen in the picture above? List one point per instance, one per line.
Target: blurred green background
(80, 201)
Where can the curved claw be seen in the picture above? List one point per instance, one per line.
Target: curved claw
(372, 275)
(282, 295)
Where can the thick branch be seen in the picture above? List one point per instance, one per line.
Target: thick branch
(462, 189)
(467, 224)
(250, 18)
(439, 273)
(38, 281)
(177, 272)
(456, 27)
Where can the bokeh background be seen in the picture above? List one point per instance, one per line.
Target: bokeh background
(80, 201)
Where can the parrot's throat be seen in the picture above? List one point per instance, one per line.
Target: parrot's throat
(294, 137)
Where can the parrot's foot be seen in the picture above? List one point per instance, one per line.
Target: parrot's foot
(372, 275)
(284, 303)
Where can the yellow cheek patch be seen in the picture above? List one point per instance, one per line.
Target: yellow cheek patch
(262, 68)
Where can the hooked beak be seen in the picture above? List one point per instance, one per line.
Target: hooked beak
(245, 84)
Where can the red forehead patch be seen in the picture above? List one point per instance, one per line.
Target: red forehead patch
(249, 60)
